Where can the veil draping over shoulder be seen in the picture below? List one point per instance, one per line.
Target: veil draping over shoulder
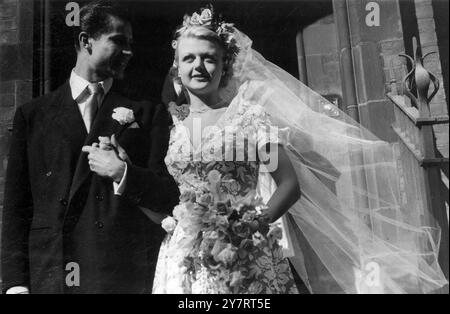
(349, 232)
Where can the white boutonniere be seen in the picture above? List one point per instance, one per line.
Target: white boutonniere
(123, 115)
(126, 119)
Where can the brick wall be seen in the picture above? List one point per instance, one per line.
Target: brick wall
(376, 63)
(8, 36)
(16, 70)
(376, 48)
(429, 42)
(394, 67)
(322, 57)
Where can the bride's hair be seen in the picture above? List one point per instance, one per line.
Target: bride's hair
(208, 26)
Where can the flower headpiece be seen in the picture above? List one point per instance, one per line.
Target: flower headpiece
(207, 18)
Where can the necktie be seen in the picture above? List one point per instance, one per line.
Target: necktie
(92, 104)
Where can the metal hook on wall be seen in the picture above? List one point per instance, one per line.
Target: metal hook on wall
(419, 78)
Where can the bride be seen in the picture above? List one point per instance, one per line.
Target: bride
(248, 138)
(221, 240)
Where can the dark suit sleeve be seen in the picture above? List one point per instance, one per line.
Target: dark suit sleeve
(154, 187)
(17, 211)
(168, 93)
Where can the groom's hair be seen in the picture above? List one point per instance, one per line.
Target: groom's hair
(95, 19)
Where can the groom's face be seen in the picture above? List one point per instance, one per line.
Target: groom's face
(111, 51)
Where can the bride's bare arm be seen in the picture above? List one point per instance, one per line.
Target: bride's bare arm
(288, 188)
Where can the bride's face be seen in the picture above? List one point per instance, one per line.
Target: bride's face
(200, 65)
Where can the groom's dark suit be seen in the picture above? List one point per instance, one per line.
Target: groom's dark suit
(56, 211)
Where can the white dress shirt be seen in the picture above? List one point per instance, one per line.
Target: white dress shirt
(80, 93)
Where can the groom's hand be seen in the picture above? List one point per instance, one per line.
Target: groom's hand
(105, 163)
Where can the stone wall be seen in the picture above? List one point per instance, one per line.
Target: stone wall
(322, 57)
(429, 42)
(16, 70)
(378, 69)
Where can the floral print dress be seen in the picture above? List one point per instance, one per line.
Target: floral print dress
(215, 241)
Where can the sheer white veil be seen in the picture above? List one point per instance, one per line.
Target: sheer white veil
(350, 231)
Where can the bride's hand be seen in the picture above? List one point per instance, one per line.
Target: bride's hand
(104, 143)
(122, 153)
(264, 220)
(107, 143)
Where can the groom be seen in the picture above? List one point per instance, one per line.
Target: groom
(71, 220)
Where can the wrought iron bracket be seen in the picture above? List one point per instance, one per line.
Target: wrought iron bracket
(423, 162)
(413, 114)
(419, 78)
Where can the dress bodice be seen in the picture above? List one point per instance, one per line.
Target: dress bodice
(224, 159)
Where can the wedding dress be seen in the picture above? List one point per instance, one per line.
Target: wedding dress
(260, 268)
(350, 232)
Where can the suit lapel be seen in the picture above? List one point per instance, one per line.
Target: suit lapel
(66, 114)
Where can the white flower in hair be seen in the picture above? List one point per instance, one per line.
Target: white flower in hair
(123, 115)
(206, 16)
(186, 20)
(195, 19)
(210, 19)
